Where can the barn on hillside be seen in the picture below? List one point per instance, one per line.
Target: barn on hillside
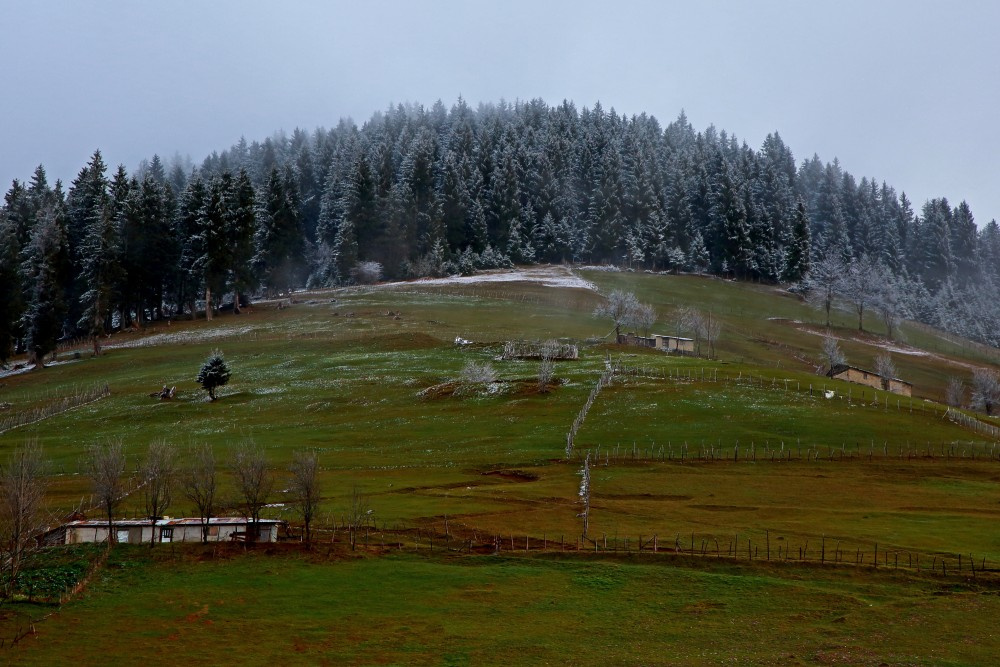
(869, 379)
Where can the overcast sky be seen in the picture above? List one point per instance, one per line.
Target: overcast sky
(905, 92)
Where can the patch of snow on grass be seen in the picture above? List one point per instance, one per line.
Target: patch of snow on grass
(17, 370)
(198, 336)
(549, 276)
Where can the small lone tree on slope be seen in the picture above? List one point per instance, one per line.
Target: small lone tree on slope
(214, 373)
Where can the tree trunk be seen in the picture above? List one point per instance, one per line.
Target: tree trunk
(98, 328)
(208, 303)
(236, 302)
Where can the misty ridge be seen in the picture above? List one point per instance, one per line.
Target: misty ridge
(419, 192)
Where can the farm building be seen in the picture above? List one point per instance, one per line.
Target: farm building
(674, 344)
(869, 378)
(134, 531)
(636, 339)
(659, 341)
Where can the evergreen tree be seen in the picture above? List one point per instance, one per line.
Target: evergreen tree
(11, 297)
(214, 261)
(46, 272)
(187, 235)
(101, 269)
(797, 260)
(240, 232)
(278, 239)
(85, 202)
(737, 251)
(214, 373)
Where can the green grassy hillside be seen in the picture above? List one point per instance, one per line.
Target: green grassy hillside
(703, 453)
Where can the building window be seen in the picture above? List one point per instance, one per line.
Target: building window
(213, 531)
(166, 534)
(121, 535)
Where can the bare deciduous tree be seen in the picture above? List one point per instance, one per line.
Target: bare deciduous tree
(861, 286)
(157, 475)
(620, 308)
(833, 356)
(198, 483)
(366, 273)
(711, 330)
(644, 318)
(22, 490)
(546, 369)
(359, 515)
(890, 301)
(823, 284)
(955, 393)
(105, 465)
(476, 376)
(305, 487)
(886, 369)
(254, 483)
(703, 327)
(985, 390)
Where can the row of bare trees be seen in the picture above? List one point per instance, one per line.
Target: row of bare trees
(985, 394)
(159, 474)
(865, 285)
(23, 485)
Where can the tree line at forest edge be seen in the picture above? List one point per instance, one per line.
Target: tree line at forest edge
(427, 192)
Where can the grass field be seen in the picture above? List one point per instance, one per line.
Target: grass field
(742, 447)
(406, 609)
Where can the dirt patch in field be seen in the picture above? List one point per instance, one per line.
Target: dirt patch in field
(951, 510)
(442, 390)
(404, 341)
(726, 508)
(513, 475)
(642, 496)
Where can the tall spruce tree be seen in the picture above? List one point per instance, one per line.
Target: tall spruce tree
(213, 261)
(242, 221)
(797, 258)
(46, 271)
(187, 232)
(11, 297)
(278, 239)
(101, 270)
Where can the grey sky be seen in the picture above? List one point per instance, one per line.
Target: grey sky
(906, 92)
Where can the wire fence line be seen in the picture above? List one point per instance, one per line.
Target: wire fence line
(55, 407)
(972, 423)
(860, 395)
(762, 546)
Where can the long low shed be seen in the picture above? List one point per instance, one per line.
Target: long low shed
(135, 531)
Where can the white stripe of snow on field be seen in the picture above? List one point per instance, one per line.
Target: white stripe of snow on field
(549, 276)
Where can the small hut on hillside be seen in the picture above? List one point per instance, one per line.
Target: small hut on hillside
(869, 379)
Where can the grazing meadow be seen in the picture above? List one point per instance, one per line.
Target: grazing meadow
(743, 507)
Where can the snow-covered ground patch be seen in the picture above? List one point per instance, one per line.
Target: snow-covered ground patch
(196, 336)
(549, 276)
(17, 370)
